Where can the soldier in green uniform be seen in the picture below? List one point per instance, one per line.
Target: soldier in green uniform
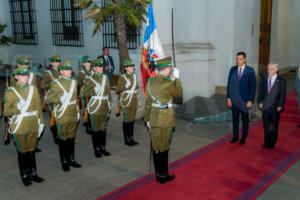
(32, 76)
(97, 89)
(48, 77)
(128, 87)
(159, 114)
(22, 104)
(83, 74)
(63, 93)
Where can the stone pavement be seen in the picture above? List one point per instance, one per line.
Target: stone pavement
(100, 176)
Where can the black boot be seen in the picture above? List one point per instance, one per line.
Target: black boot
(87, 128)
(165, 163)
(102, 135)
(96, 147)
(157, 159)
(32, 170)
(62, 147)
(54, 134)
(23, 169)
(73, 163)
(131, 130)
(126, 132)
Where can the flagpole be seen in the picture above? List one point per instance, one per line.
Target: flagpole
(172, 32)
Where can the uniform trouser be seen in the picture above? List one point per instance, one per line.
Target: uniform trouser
(66, 131)
(25, 142)
(98, 122)
(236, 120)
(161, 138)
(271, 121)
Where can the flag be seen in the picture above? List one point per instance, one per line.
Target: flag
(152, 48)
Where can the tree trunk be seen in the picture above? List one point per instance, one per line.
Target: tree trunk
(120, 28)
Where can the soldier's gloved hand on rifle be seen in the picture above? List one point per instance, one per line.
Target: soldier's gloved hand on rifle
(21, 104)
(147, 124)
(175, 73)
(63, 98)
(127, 84)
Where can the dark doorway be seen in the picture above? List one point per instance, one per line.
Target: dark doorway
(265, 35)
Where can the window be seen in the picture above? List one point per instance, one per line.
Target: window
(109, 36)
(23, 20)
(66, 21)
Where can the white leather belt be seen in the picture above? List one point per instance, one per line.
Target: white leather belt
(130, 91)
(71, 103)
(162, 106)
(29, 114)
(99, 98)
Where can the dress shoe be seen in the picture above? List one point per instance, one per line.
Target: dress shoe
(243, 141)
(104, 152)
(233, 140)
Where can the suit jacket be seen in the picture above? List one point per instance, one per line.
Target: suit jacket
(105, 71)
(276, 97)
(243, 90)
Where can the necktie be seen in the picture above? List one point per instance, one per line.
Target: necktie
(270, 85)
(240, 73)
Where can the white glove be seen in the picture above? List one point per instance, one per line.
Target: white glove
(97, 88)
(127, 84)
(21, 104)
(176, 73)
(148, 124)
(63, 98)
(41, 129)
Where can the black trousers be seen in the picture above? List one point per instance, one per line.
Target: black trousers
(271, 121)
(236, 112)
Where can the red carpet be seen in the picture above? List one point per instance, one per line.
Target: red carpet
(225, 171)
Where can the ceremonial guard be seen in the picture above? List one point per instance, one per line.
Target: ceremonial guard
(48, 77)
(159, 115)
(22, 104)
(63, 93)
(128, 89)
(97, 89)
(32, 76)
(83, 74)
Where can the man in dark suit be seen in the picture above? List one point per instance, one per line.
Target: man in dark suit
(240, 95)
(271, 99)
(108, 64)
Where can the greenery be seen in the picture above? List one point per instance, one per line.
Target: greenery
(4, 40)
(131, 12)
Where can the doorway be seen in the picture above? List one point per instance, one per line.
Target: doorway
(265, 35)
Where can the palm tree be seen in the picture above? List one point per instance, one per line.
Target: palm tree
(131, 12)
(4, 40)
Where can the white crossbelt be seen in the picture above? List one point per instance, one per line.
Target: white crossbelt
(61, 109)
(157, 103)
(130, 92)
(98, 97)
(19, 117)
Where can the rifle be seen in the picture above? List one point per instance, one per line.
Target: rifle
(86, 114)
(52, 120)
(118, 109)
(44, 104)
(6, 133)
